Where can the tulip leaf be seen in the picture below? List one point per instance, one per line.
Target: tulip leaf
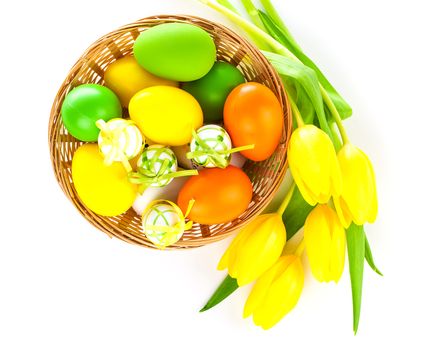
(274, 19)
(296, 213)
(300, 74)
(305, 106)
(299, 96)
(276, 28)
(369, 258)
(356, 251)
(227, 287)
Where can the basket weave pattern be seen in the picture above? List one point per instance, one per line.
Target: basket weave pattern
(266, 176)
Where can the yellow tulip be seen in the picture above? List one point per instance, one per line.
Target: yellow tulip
(325, 243)
(276, 292)
(314, 165)
(255, 249)
(358, 199)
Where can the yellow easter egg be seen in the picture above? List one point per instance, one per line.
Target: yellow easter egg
(166, 115)
(104, 189)
(126, 77)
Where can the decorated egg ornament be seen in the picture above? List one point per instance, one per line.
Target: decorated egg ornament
(156, 167)
(119, 141)
(164, 223)
(211, 147)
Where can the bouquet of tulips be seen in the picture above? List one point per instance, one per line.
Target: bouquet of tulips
(332, 196)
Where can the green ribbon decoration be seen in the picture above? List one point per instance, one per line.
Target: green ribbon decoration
(169, 232)
(147, 177)
(217, 157)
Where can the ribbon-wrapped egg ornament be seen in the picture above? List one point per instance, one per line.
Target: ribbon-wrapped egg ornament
(211, 147)
(119, 140)
(164, 223)
(157, 167)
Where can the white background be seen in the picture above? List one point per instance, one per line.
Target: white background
(65, 285)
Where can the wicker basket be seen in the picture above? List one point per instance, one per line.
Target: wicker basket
(266, 176)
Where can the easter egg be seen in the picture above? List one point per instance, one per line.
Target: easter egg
(162, 223)
(212, 90)
(253, 115)
(175, 51)
(86, 104)
(209, 145)
(166, 115)
(126, 77)
(119, 140)
(237, 159)
(104, 189)
(156, 161)
(220, 195)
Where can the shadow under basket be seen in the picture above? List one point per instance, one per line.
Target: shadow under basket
(266, 176)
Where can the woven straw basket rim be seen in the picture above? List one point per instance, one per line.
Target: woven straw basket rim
(266, 176)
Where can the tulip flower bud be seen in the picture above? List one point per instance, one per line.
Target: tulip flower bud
(276, 292)
(325, 243)
(255, 249)
(358, 199)
(313, 163)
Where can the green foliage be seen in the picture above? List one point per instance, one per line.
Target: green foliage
(228, 4)
(287, 41)
(369, 258)
(355, 236)
(227, 287)
(296, 213)
(302, 76)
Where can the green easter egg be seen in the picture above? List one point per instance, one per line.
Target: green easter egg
(85, 105)
(175, 51)
(212, 90)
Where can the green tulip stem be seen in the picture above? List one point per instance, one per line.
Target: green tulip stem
(335, 135)
(286, 199)
(273, 13)
(253, 13)
(228, 4)
(335, 114)
(250, 28)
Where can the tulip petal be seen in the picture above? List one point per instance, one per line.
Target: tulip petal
(336, 176)
(314, 165)
(261, 250)
(223, 263)
(359, 187)
(282, 296)
(305, 192)
(342, 211)
(307, 150)
(372, 213)
(229, 253)
(325, 243)
(338, 249)
(317, 235)
(229, 257)
(260, 289)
